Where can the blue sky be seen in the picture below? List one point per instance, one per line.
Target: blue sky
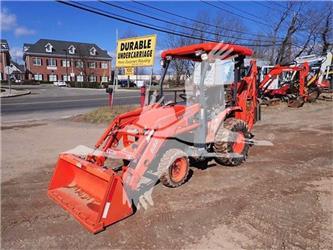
(26, 22)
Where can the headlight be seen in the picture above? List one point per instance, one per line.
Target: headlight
(204, 57)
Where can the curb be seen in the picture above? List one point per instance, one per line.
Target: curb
(15, 95)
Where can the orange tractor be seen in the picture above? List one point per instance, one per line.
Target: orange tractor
(294, 91)
(156, 142)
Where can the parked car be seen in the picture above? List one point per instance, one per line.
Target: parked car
(139, 83)
(124, 84)
(60, 84)
(155, 83)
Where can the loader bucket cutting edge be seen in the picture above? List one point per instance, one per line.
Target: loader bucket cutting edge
(91, 194)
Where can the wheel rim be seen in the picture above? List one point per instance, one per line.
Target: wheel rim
(239, 143)
(178, 169)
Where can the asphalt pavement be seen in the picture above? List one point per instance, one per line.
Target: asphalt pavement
(48, 101)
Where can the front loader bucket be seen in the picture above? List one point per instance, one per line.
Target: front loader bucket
(93, 195)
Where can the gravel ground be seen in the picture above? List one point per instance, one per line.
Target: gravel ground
(280, 198)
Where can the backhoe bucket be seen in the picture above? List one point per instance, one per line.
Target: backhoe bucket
(297, 103)
(93, 195)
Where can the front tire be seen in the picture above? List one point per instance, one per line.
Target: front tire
(174, 168)
(230, 140)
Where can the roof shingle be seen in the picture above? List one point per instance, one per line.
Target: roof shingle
(60, 48)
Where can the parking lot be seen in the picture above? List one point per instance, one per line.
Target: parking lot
(280, 198)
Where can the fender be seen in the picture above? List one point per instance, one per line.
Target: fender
(215, 123)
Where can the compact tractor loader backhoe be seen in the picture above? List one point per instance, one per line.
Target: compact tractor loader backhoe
(321, 73)
(294, 91)
(157, 141)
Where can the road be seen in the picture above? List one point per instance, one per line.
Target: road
(25, 104)
(48, 101)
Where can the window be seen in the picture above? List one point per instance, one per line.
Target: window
(92, 51)
(79, 64)
(92, 78)
(52, 78)
(38, 77)
(51, 62)
(104, 65)
(92, 65)
(79, 78)
(104, 79)
(48, 48)
(65, 63)
(66, 78)
(71, 50)
(37, 61)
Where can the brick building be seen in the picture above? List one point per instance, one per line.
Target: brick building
(4, 59)
(53, 60)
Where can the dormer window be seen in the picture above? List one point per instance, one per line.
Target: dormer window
(48, 48)
(93, 51)
(71, 50)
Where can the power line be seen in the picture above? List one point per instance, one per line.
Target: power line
(180, 25)
(237, 9)
(260, 3)
(144, 25)
(197, 21)
(281, 7)
(235, 14)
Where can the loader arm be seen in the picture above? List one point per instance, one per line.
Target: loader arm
(247, 96)
(278, 70)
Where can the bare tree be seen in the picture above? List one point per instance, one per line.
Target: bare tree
(326, 32)
(227, 35)
(179, 67)
(129, 32)
(277, 28)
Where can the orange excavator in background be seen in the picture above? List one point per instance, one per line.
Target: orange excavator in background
(157, 141)
(294, 91)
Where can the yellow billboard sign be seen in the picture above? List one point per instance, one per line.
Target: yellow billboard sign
(129, 71)
(136, 51)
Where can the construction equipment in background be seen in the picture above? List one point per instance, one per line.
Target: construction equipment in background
(292, 90)
(157, 141)
(321, 71)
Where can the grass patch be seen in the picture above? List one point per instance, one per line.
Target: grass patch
(104, 114)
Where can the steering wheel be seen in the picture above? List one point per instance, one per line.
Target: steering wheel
(183, 96)
(169, 103)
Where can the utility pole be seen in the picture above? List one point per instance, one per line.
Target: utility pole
(115, 74)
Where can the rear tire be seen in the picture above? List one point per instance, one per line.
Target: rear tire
(174, 168)
(228, 140)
